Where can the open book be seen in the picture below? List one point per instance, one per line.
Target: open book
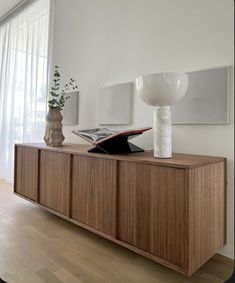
(98, 136)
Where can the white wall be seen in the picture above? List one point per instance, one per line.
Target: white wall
(110, 41)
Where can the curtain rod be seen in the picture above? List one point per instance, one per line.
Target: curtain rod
(12, 10)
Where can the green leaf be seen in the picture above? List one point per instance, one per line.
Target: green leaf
(53, 101)
(56, 74)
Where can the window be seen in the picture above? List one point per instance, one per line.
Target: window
(24, 41)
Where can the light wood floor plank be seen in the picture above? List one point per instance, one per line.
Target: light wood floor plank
(66, 276)
(47, 276)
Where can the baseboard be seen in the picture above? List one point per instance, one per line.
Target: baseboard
(224, 259)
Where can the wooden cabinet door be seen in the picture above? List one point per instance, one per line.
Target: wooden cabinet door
(55, 181)
(153, 210)
(94, 193)
(26, 172)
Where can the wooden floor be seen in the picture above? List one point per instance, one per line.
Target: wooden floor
(37, 247)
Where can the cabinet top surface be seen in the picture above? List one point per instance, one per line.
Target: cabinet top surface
(178, 160)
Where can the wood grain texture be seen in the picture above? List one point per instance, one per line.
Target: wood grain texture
(111, 238)
(36, 244)
(207, 202)
(94, 193)
(26, 172)
(169, 215)
(55, 181)
(134, 204)
(152, 210)
(178, 160)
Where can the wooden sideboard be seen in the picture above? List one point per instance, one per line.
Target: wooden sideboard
(172, 211)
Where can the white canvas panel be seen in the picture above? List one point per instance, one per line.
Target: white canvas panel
(114, 106)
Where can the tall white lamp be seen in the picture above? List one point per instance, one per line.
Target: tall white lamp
(162, 90)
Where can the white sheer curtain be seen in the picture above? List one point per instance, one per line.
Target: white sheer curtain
(23, 78)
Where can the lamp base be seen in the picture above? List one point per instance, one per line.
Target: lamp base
(162, 132)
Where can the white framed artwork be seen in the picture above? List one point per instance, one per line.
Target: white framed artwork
(206, 100)
(114, 104)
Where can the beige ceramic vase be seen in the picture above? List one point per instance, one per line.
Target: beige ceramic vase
(54, 135)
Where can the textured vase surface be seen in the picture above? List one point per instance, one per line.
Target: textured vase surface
(162, 133)
(54, 135)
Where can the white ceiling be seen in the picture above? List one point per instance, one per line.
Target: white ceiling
(6, 5)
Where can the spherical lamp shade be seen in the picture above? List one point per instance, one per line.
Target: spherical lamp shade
(162, 89)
